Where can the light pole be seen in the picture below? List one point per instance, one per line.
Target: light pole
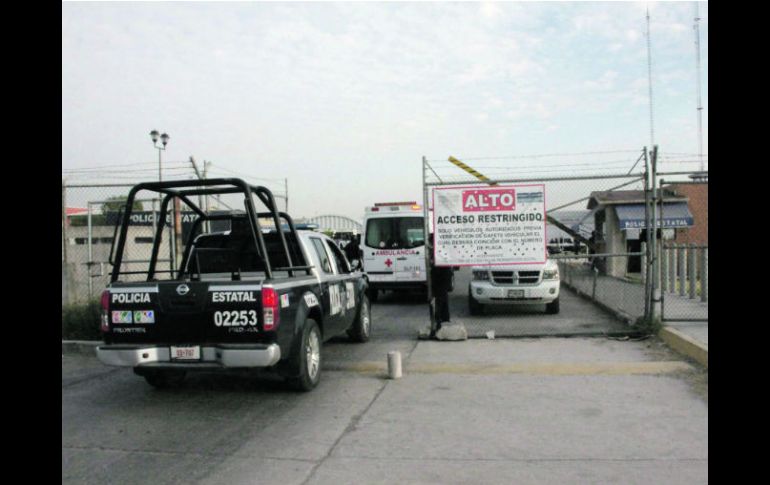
(175, 239)
(164, 139)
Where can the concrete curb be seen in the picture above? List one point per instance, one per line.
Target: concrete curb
(685, 345)
(85, 347)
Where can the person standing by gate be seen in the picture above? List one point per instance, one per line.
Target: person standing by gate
(353, 251)
(441, 282)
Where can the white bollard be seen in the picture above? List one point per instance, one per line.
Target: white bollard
(394, 364)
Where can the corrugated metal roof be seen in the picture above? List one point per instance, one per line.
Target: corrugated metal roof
(615, 197)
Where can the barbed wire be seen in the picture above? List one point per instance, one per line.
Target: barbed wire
(567, 165)
(541, 155)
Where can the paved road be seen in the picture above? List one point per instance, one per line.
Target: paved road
(578, 316)
(491, 411)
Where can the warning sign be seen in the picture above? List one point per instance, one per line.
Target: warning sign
(502, 224)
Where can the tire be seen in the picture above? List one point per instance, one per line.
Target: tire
(163, 379)
(308, 370)
(362, 325)
(373, 295)
(474, 307)
(553, 307)
(452, 283)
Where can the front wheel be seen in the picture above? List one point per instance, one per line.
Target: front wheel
(308, 373)
(553, 307)
(373, 295)
(362, 325)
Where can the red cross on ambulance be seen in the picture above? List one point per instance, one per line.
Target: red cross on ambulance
(388, 262)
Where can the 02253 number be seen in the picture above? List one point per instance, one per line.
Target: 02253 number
(235, 318)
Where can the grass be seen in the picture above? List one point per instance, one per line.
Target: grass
(81, 321)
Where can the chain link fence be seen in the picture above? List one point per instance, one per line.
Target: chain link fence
(682, 269)
(601, 251)
(91, 215)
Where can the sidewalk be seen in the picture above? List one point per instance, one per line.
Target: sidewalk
(688, 338)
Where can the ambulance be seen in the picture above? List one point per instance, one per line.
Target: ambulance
(393, 247)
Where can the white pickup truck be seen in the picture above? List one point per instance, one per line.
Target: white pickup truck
(520, 284)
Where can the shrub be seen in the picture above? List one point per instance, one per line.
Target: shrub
(81, 321)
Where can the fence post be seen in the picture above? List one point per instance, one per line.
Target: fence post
(704, 274)
(593, 290)
(692, 266)
(664, 251)
(644, 262)
(682, 268)
(672, 269)
(64, 240)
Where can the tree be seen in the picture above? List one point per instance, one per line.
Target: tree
(114, 204)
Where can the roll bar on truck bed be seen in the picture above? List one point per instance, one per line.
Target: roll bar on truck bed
(184, 189)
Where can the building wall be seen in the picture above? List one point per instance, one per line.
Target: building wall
(699, 207)
(79, 283)
(616, 243)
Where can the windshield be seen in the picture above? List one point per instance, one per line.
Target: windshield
(395, 232)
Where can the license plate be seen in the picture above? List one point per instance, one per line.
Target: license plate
(186, 353)
(515, 293)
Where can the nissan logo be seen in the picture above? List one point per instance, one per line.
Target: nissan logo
(182, 290)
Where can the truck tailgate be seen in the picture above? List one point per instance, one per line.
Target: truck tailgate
(185, 312)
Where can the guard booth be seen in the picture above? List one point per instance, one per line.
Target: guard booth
(620, 226)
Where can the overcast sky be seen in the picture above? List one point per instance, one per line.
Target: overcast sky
(343, 99)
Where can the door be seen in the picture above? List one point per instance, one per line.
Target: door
(345, 280)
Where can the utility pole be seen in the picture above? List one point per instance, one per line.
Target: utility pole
(206, 165)
(197, 174)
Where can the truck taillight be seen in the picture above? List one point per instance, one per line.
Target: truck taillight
(270, 310)
(105, 311)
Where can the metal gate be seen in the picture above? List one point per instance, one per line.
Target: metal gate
(603, 269)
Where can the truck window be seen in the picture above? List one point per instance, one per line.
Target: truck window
(395, 232)
(342, 264)
(323, 258)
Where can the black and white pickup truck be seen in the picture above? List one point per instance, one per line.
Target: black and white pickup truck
(246, 297)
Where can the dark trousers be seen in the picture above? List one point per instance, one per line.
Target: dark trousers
(442, 306)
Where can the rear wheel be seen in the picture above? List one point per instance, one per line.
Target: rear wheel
(163, 378)
(553, 307)
(308, 373)
(362, 326)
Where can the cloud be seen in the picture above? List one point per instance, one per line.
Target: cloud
(302, 90)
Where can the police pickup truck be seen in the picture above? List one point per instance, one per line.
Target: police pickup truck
(249, 290)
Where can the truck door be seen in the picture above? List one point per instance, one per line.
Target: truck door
(345, 280)
(410, 259)
(378, 262)
(330, 291)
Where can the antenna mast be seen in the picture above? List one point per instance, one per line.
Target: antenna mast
(649, 77)
(698, 82)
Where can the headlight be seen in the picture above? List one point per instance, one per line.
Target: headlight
(551, 274)
(481, 275)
